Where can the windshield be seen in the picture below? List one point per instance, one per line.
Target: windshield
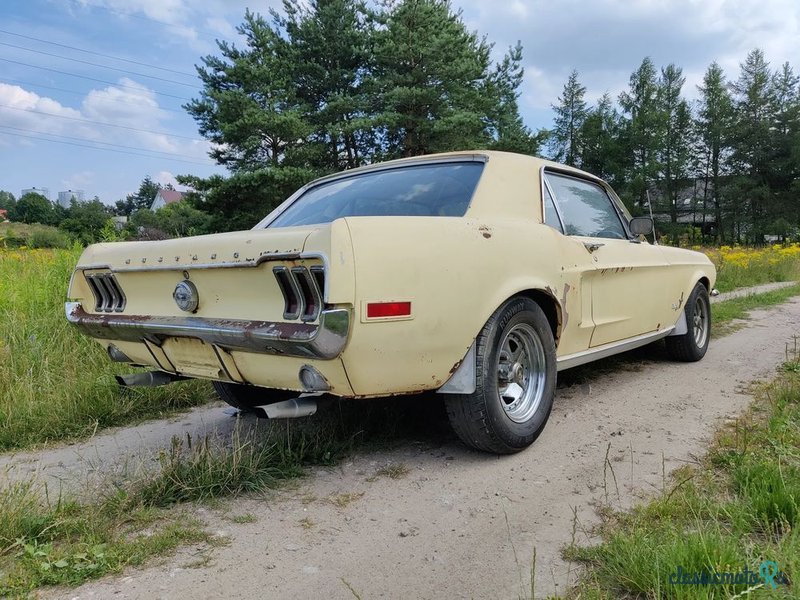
(433, 190)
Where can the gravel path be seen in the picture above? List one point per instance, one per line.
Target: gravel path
(459, 524)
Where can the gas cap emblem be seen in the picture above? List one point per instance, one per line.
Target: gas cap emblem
(185, 296)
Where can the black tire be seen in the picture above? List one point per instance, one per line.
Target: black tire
(692, 345)
(503, 425)
(245, 397)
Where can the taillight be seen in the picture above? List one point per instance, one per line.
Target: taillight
(302, 291)
(108, 295)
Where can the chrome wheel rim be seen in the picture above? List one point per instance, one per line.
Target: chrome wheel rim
(700, 322)
(521, 372)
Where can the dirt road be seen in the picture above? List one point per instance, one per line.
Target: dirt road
(459, 524)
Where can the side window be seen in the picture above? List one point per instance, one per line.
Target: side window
(550, 214)
(585, 208)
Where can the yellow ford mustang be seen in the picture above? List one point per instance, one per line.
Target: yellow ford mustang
(476, 274)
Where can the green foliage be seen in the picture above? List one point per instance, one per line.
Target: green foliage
(737, 149)
(47, 237)
(54, 382)
(84, 221)
(16, 235)
(63, 541)
(33, 208)
(328, 85)
(7, 201)
(142, 199)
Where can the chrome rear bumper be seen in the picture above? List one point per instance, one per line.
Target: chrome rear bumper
(325, 340)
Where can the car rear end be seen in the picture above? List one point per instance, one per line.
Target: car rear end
(263, 307)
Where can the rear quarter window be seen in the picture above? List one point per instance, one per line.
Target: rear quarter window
(432, 190)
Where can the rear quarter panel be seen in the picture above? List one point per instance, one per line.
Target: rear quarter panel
(456, 272)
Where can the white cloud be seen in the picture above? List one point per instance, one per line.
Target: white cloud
(166, 178)
(128, 105)
(78, 181)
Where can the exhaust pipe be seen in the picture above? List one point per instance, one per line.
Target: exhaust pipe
(148, 379)
(288, 409)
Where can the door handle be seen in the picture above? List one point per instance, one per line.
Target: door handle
(592, 246)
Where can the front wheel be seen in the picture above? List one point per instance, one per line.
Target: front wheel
(516, 379)
(692, 345)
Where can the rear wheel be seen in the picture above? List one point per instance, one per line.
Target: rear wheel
(516, 377)
(692, 345)
(245, 397)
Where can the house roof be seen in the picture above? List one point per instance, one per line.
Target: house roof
(170, 196)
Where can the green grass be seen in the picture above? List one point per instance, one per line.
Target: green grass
(738, 509)
(15, 235)
(54, 383)
(64, 542)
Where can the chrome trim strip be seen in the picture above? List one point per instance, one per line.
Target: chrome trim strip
(463, 380)
(198, 266)
(323, 341)
(606, 350)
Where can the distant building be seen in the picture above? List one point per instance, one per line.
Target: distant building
(3, 215)
(34, 190)
(65, 198)
(164, 197)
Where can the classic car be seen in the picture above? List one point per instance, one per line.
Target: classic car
(476, 274)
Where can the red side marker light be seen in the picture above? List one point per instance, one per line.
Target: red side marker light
(382, 310)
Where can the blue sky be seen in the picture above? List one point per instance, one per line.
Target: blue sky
(56, 111)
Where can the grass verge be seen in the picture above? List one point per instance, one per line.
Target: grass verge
(64, 542)
(721, 520)
(724, 313)
(55, 383)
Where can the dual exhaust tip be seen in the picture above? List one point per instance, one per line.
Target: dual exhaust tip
(303, 406)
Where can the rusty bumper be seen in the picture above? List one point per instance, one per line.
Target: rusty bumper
(325, 340)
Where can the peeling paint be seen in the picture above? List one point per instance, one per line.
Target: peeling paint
(565, 318)
(485, 231)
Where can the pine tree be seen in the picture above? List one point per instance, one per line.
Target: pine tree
(674, 150)
(754, 103)
(566, 144)
(436, 90)
(713, 127)
(601, 152)
(642, 130)
(330, 48)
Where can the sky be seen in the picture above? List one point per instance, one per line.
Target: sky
(91, 90)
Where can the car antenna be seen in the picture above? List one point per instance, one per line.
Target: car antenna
(650, 206)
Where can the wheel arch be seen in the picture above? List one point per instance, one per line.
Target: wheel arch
(550, 306)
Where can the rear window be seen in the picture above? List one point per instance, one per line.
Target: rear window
(434, 190)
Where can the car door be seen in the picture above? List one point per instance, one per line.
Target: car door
(628, 284)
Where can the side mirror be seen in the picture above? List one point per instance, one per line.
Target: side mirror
(641, 225)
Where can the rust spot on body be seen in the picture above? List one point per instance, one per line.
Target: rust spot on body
(485, 231)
